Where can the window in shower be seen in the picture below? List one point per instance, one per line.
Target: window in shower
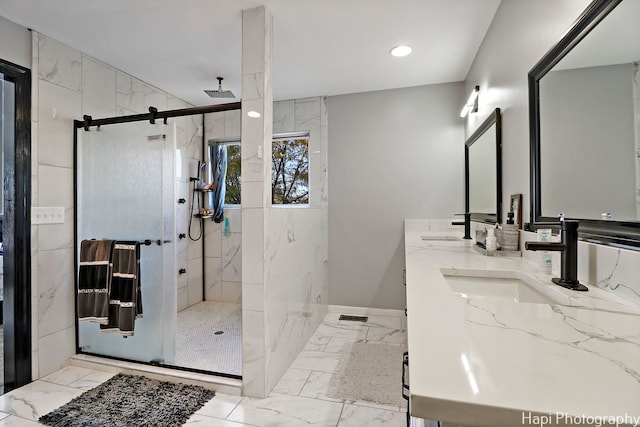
(289, 170)
(233, 179)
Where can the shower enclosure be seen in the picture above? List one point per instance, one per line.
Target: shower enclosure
(125, 191)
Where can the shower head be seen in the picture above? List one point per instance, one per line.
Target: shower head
(219, 93)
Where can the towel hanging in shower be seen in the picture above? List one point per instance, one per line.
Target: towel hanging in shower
(125, 299)
(94, 280)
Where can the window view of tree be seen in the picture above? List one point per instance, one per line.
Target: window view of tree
(232, 192)
(290, 172)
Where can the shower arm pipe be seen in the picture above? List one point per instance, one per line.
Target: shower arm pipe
(154, 114)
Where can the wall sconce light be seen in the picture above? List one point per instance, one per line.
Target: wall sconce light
(472, 103)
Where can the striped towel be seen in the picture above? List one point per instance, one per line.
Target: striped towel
(94, 280)
(125, 299)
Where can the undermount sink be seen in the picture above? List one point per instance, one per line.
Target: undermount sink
(441, 238)
(503, 285)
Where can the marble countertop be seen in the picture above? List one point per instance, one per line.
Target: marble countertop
(491, 363)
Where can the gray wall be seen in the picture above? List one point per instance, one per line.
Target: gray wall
(393, 154)
(588, 112)
(15, 43)
(520, 34)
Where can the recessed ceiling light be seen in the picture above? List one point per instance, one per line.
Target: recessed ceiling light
(253, 114)
(402, 50)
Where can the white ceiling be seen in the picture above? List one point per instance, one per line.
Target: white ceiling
(320, 47)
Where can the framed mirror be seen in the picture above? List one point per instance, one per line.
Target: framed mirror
(483, 171)
(584, 106)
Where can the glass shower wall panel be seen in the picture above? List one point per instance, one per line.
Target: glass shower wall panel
(125, 191)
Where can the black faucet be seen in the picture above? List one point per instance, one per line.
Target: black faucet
(569, 258)
(466, 223)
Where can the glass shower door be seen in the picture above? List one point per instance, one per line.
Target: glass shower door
(125, 191)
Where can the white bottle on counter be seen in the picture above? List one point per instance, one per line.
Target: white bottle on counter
(492, 242)
(544, 266)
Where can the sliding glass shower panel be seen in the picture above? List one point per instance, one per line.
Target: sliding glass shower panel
(125, 191)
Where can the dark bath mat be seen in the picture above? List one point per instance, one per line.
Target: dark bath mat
(129, 400)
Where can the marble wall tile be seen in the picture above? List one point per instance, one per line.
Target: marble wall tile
(252, 86)
(253, 353)
(253, 149)
(55, 187)
(195, 249)
(194, 281)
(212, 239)
(232, 257)
(214, 125)
(252, 194)
(59, 64)
(611, 269)
(213, 279)
(182, 299)
(154, 97)
(56, 292)
(253, 297)
(58, 107)
(253, 45)
(252, 246)
(129, 93)
(232, 292)
(60, 346)
(283, 116)
(232, 124)
(235, 220)
(98, 89)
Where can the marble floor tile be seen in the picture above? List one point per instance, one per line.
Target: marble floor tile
(387, 335)
(379, 322)
(36, 399)
(91, 380)
(299, 398)
(13, 421)
(67, 375)
(336, 344)
(287, 411)
(292, 381)
(317, 387)
(220, 406)
(204, 421)
(317, 343)
(358, 416)
(342, 331)
(316, 361)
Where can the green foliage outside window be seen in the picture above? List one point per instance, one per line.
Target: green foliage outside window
(232, 192)
(289, 172)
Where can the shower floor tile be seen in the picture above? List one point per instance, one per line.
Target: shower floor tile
(199, 343)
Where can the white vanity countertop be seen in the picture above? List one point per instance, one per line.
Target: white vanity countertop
(490, 363)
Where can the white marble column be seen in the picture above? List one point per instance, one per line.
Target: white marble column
(257, 99)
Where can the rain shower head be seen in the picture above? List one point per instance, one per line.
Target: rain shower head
(219, 93)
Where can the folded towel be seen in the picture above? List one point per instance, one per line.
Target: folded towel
(94, 280)
(125, 299)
